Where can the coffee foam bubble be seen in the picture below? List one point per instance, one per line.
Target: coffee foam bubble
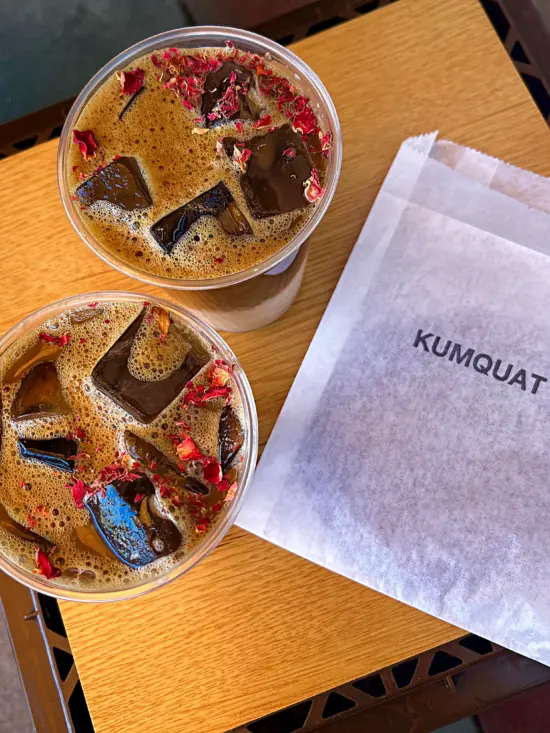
(177, 166)
(103, 423)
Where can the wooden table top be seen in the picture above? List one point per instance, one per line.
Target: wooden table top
(254, 628)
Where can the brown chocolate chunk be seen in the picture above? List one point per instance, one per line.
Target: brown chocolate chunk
(230, 437)
(120, 183)
(130, 103)
(143, 400)
(55, 452)
(148, 454)
(41, 351)
(21, 532)
(40, 394)
(276, 172)
(135, 531)
(216, 85)
(217, 201)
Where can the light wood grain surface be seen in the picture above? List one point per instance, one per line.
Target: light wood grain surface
(253, 628)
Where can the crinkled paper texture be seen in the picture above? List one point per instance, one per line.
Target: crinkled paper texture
(405, 471)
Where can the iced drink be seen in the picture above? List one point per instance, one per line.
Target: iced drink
(123, 443)
(199, 165)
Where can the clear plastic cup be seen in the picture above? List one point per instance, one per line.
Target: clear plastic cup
(249, 448)
(255, 296)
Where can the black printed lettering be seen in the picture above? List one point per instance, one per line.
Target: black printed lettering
(436, 344)
(520, 378)
(482, 363)
(483, 369)
(421, 339)
(538, 379)
(457, 355)
(506, 376)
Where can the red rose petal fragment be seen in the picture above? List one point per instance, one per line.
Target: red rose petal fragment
(79, 490)
(202, 525)
(86, 142)
(231, 492)
(289, 153)
(264, 121)
(59, 340)
(213, 393)
(218, 374)
(241, 157)
(326, 141)
(313, 189)
(304, 122)
(131, 81)
(240, 127)
(188, 451)
(138, 498)
(212, 471)
(44, 566)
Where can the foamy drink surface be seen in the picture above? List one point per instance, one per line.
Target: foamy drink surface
(121, 445)
(197, 163)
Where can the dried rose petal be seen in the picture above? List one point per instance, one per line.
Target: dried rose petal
(188, 451)
(213, 393)
(289, 153)
(212, 471)
(240, 127)
(79, 490)
(326, 141)
(44, 566)
(313, 189)
(138, 498)
(162, 318)
(131, 81)
(59, 340)
(264, 121)
(231, 492)
(218, 374)
(241, 157)
(219, 146)
(86, 142)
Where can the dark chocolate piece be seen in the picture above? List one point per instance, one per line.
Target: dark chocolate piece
(40, 394)
(143, 400)
(146, 453)
(216, 85)
(130, 102)
(21, 532)
(217, 202)
(230, 437)
(55, 452)
(41, 351)
(135, 531)
(120, 183)
(276, 172)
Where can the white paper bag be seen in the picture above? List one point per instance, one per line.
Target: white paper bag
(413, 451)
